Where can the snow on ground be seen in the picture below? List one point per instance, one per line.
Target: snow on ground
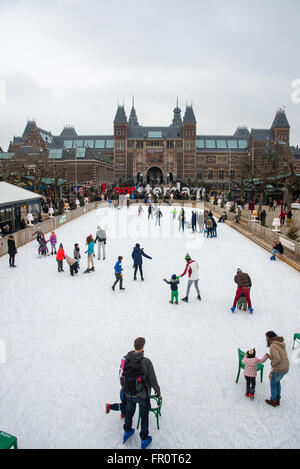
(63, 338)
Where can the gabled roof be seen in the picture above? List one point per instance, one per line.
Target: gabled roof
(120, 117)
(242, 132)
(280, 120)
(68, 132)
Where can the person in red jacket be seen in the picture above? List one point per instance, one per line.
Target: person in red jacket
(60, 256)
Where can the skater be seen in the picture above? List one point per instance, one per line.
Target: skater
(192, 268)
(118, 274)
(53, 241)
(140, 210)
(209, 227)
(244, 284)
(289, 217)
(60, 256)
(128, 203)
(174, 282)
(201, 221)
(12, 250)
(250, 370)
(222, 218)
(101, 238)
(181, 219)
(280, 366)
(194, 221)
(90, 252)
(76, 254)
(158, 216)
(139, 378)
(150, 212)
(277, 249)
(72, 263)
(214, 227)
(137, 256)
(174, 213)
(43, 250)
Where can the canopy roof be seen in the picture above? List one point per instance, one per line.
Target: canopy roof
(10, 194)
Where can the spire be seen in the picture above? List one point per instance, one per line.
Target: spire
(133, 122)
(177, 120)
(189, 116)
(280, 120)
(120, 117)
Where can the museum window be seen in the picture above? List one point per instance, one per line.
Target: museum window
(210, 174)
(221, 173)
(232, 174)
(170, 144)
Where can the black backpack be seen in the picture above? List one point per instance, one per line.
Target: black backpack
(133, 377)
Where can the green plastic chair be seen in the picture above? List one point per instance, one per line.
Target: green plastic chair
(260, 366)
(7, 441)
(296, 339)
(155, 410)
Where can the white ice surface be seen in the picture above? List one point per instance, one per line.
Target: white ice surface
(61, 340)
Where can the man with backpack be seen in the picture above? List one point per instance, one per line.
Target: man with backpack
(137, 380)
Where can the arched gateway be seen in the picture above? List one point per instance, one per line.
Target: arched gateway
(155, 175)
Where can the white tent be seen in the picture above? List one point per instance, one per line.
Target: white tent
(11, 195)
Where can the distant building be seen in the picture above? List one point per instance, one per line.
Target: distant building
(135, 153)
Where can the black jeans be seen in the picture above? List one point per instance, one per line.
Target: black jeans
(119, 278)
(250, 384)
(60, 266)
(122, 405)
(144, 404)
(11, 260)
(136, 267)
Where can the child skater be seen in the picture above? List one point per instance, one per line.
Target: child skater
(174, 288)
(43, 250)
(60, 256)
(140, 210)
(72, 263)
(250, 370)
(53, 241)
(76, 254)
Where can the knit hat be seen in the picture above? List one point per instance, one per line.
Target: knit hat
(187, 257)
(60, 245)
(137, 245)
(174, 276)
(239, 270)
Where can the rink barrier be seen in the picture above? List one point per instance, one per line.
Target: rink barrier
(267, 235)
(51, 224)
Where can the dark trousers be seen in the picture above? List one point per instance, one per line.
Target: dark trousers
(136, 267)
(74, 268)
(119, 278)
(60, 266)
(120, 406)
(11, 260)
(144, 404)
(53, 248)
(250, 384)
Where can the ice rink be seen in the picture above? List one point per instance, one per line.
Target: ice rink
(62, 338)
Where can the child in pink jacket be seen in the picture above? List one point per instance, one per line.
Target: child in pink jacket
(250, 370)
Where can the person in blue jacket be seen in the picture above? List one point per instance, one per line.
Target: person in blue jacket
(118, 274)
(137, 256)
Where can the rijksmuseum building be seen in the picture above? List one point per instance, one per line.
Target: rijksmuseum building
(134, 153)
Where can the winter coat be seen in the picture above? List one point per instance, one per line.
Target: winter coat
(192, 268)
(12, 250)
(101, 236)
(91, 248)
(118, 267)
(70, 260)
(209, 223)
(53, 239)
(173, 283)
(60, 256)
(251, 365)
(76, 254)
(278, 355)
(243, 280)
(194, 219)
(149, 373)
(279, 247)
(137, 255)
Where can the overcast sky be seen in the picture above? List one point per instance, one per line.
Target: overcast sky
(71, 61)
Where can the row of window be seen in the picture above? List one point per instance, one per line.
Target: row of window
(222, 144)
(89, 143)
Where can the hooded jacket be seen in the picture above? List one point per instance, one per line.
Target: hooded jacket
(148, 369)
(278, 355)
(137, 255)
(100, 236)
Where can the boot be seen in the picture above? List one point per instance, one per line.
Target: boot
(272, 403)
(92, 269)
(185, 299)
(199, 297)
(233, 309)
(145, 443)
(107, 408)
(278, 402)
(128, 435)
